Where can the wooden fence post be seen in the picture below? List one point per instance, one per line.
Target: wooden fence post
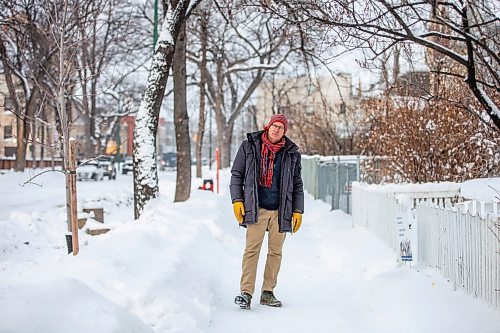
(72, 195)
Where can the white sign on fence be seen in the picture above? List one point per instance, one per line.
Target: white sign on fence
(404, 239)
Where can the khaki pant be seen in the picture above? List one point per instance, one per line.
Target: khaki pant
(268, 220)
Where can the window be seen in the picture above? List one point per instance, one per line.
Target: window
(7, 132)
(309, 109)
(10, 151)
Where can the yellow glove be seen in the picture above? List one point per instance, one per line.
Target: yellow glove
(296, 221)
(239, 211)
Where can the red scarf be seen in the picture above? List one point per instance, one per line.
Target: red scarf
(267, 156)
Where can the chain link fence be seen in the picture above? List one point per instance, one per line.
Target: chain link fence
(329, 179)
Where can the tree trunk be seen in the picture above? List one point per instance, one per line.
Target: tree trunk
(43, 128)
(220, 119)
(221, 140)
(226, 148)
(224, 125)
(33, 142)
(181, 120)
(95, 137)
(145, 170)
(29, 121)
(88, 121)
(21, 143)
(203, 82)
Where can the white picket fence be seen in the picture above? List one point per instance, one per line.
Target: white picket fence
(460, 239)
(377, 210)
(465, 247)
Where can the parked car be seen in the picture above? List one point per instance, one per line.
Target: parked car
(89, 170)
(109, 169)
(128, 166)
(168, 160)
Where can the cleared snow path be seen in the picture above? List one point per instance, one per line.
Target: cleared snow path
(178, 270)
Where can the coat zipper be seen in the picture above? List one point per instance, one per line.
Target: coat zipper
(255, 185)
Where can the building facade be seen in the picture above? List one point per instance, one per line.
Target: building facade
(322, 111)
(40, 145)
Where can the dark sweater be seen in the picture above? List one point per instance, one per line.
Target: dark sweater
(269, 198)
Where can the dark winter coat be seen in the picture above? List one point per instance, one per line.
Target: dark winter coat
(245, 175)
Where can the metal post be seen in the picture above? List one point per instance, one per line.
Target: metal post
(337, 187)
(217, 163)
(210, 139)
(333, 169)
(348, 211)
(358, 168)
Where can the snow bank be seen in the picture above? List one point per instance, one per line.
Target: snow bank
(485, 189)
(63, 305)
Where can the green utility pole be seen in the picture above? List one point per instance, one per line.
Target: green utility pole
(155, 31)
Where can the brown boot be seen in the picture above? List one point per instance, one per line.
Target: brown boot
(267, 298)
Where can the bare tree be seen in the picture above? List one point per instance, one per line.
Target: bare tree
(203, 16)
(243, 45)
(181, 120)
(99, 37)
(104, 27)
(28, 51)
(463, 32)
(426, 141)
(145, 169)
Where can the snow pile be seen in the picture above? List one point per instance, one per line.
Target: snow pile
(485, 189)
(63, 305)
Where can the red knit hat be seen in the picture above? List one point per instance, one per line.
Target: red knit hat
(278, 118)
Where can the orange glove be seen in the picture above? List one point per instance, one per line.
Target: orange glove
(239, 211)
(296, 221)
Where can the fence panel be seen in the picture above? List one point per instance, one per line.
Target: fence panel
(330, 178)
(346, 174)
(376, 211)
(310, 174)
(461, 241)
(464, 247)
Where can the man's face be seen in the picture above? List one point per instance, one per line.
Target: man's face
(276, 131)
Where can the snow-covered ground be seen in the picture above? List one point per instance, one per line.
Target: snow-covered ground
(177, 269)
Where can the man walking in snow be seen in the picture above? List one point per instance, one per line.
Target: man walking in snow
(267, 195)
